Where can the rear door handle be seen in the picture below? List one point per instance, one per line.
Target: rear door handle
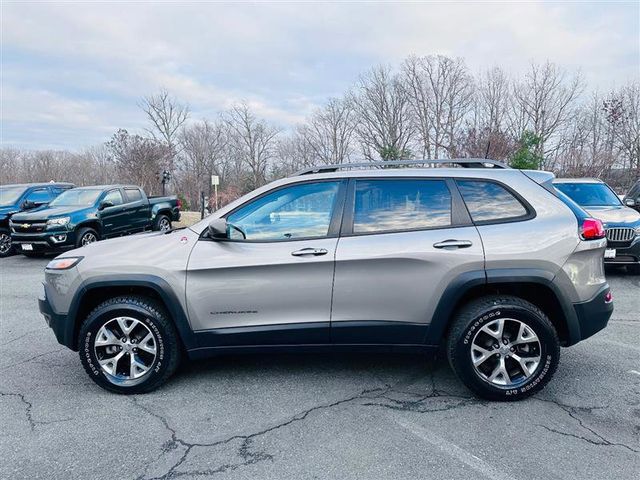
(451, 244)
(316, 252)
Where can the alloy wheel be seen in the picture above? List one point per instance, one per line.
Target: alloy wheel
(5, 243)
(88, 238)
(126, 350)
(165, 224)
(505, 352)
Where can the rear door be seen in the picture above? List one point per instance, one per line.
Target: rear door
(403, 241)
(137, 209)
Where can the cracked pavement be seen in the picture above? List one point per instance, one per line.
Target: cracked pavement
(313, 416)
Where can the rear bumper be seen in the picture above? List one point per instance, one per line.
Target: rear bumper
(593, 315)
(625, 255)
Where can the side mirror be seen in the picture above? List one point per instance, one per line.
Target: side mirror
(27, 205)
(218, 228)
(104, 205)
(629, 202)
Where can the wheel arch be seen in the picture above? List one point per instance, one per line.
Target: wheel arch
(95, 291)
(94, 224)
(533, 285)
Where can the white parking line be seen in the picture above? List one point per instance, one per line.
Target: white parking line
(455, 451)
(634, 371)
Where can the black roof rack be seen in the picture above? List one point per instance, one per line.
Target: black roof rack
(463, 162)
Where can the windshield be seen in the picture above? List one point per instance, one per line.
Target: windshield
(77, 197)
(589, 194)
(10, 195)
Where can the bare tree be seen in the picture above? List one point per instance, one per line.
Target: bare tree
(253, 141)
(329, 132)
(440, 94)
(383, 115)
(544, 103)
(166, 116)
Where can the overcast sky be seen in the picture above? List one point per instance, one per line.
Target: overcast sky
(73, 73)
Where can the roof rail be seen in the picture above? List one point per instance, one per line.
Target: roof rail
(463, 162)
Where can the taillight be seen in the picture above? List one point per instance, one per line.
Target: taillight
(592, 229)
(180, 204)
(608, 297)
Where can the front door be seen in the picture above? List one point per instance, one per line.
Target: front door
(270, 283)
(403, 242)
(113, 216)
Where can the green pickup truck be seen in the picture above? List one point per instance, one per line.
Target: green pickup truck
(85, 215)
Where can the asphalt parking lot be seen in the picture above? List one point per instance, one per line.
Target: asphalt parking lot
(313, 416)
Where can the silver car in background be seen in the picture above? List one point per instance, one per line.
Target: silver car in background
(489, 262)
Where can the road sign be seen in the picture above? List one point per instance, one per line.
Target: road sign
(215, 180)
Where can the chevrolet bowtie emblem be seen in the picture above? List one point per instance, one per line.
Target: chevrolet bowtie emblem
(26, 225)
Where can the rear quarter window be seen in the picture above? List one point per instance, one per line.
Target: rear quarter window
(490, 202)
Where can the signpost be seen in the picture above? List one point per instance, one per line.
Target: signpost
(215, 181)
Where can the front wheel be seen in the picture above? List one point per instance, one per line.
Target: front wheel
(128, 345)
(6, 248)
(86, 236)
(503, 348)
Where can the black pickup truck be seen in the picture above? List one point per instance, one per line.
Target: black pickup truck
(87, 214)
(18, 198)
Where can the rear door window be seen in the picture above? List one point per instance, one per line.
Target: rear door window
(39, 195)
(132, 194)
(490, 202)
(400, 205)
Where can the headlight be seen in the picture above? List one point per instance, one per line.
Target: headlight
(59, 221)
(63, 263)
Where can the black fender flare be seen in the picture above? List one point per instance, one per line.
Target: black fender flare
(463, 283)
(160, 286)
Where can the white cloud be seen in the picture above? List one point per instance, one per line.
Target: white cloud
(92, 63)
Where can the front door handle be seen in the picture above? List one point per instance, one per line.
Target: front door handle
(451, 244)
(316, 252)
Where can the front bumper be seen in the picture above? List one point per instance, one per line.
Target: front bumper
(56, 321)
(47, 241)
(593, 315)
(626, 253)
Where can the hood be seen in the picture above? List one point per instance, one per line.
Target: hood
(140, 253)
(615, 216)
(6, 211)
(45, 213)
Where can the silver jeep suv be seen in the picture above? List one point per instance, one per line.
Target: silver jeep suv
(489, 262)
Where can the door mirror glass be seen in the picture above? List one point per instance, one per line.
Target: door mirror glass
(218, 228)
(630, 202)
(105, 204)
(27, 205)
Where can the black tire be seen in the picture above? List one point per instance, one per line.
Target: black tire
(84, 235)
(6, 248)
(152, 318)
(633, 269)
(466, 330)
(162, 222)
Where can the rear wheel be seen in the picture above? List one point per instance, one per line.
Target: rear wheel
(6, 248)
(162, 223)
(128, 345)
(86, 236)
(503, 348)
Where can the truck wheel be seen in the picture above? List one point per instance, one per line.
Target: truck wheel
(162, 223)
(6, 248)
(128, 345)
(86, 236)
(503, 348)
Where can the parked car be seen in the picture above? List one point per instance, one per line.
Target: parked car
(621, 223)
(85, 215)
(489, 261)
(632, 198)
(18, 198)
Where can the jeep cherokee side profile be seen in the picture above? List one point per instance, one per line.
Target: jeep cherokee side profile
(491, 262)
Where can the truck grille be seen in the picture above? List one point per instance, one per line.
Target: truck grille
(620, 234)
(27, 227)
